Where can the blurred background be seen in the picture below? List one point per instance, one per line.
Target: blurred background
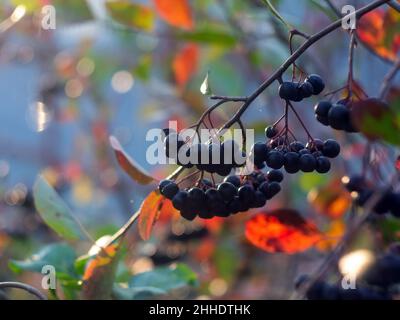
(123, 67)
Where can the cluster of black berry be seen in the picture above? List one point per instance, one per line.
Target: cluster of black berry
(336, 115)
(362, 190)
(235, 194)
(294, 156)
(218, 158)
(296, 91)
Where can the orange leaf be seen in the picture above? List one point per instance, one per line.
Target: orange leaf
(330, 200)
(282, 230)
(332, 236)
(129, 165)
(152, 207)
(185, 64)
(379, 31)
(175, 12)
(99, 275)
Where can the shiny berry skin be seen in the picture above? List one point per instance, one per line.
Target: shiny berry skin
(306, 90)
(275, 175)
(275, 159)
(163, 183)
(290, 91)
(323, 165)
(270, 132)
(317, 83)
(197, 196)
(331, 148)
(246, 194)
(322, 108)
(304, 151)
(227, 191)
(296, 146)
(170, 190)
(180, 200)
(308, 163)
(338, 117)
(292, 162)
(235, 180)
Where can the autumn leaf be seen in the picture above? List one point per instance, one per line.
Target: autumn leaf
(376, 120)
(177, 13)
(330, 200)
(379, 30)
(133, 169)
(152, 207)
(331, 236)
(131, 14)
(99, 274)
(185, 64)
(281, 230)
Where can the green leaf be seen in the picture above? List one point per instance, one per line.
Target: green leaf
(205, 86)
(390, 228)
(131, 14)
(55, 212)
(143, 68)
(277, 14)
(139, 293)
(165, 278)
(209, 36)
(59, 255)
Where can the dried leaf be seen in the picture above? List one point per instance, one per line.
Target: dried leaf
(177, 13)
(331, 236)
(185, 64)
(152, 207)
(282, 230)
(129, 165)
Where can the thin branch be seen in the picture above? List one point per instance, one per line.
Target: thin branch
(25, 287)
(279, 72)
(395, 5)
(388, 79)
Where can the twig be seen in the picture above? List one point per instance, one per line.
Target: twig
(388, 79)
(23, 286)
(279, 72)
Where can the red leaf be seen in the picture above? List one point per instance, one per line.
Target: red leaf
(129, 165)
(175, 12)
(282, 230)
(185, 64)
(152, 207)
(379, 31)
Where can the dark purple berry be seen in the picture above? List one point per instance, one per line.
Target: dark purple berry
(180, 200)
(270, 132)
(275, 175)
(290, 91)
(162, 184)
(170, 190)
(260, 200)
(338, 117)
(308, 163)
(296, 146)
(306, 89)
(246, 194)
(292, 162)
(275, 159)
(354, 183)
(322, 108)
(323, 164)
(235, 180)
(316, 82)
(227, 191)
(188, 214)
(331, 148)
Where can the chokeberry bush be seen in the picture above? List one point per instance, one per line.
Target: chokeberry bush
(303, 203)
